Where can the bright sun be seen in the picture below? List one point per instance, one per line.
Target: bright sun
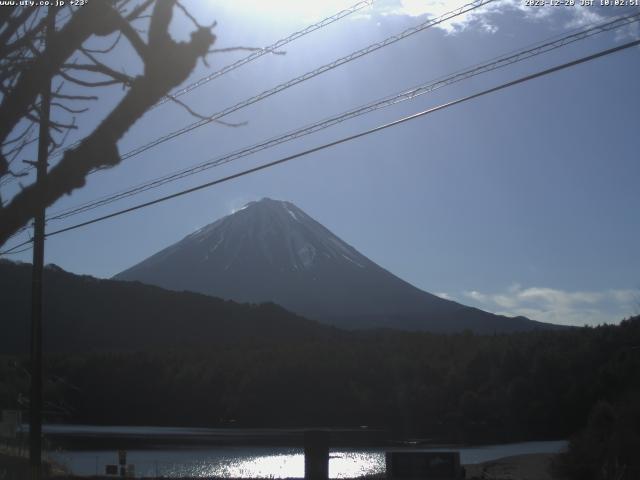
(290, 10)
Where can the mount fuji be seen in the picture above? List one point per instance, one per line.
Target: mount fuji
(272, 251)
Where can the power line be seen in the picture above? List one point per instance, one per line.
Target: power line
(443, 106)
(243, 173)
(302, 78)
(16, 252)
(309, 75)
(12, 250)
(232, 66)
(19, 231)
(269, 49)
(409, 94)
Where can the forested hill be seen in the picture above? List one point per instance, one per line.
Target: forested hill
(256, 366)
(83, 313)
(459, 388)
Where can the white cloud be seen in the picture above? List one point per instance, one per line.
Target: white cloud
(504, 301)
(476, 296)
(437, 8)
(559, 306)
(552, 296)
(626, 296)
(237, 203)
(485, 17)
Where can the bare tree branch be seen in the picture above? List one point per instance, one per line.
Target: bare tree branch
(203, 117)
(107, 49)
(88, 20)
(188, 15)
(134, 39)
(116, 77)
(139, 10)
(68, 109)
(74, 97)
(167, 64)
(13, 25)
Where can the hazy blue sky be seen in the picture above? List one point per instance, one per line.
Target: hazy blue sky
(522, 202)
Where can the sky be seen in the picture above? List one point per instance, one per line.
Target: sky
(522, 202)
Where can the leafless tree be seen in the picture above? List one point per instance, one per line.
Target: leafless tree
(27, 62)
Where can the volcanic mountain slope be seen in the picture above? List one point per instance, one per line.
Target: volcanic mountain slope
(272, 251)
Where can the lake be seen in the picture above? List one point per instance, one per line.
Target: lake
(245, 461)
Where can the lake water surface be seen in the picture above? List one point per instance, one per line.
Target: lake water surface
(253, 461)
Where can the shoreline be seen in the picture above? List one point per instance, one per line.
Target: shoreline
(534, 466)
(530, 466)
(87, 437)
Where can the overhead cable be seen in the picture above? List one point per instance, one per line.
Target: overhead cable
(409, 94)
(349, 138)
(269, 49)
(302, 78)
(273, 48)
(289, 158)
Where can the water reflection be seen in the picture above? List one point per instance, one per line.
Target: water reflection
(342, 464)
(355, 464)
(267, 462)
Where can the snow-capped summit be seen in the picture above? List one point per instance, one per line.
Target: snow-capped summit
(285, 236)
(272, 251)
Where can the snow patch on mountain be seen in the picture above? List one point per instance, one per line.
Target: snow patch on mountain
(353, 261)
(293, 215)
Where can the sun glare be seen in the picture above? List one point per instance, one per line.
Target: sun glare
(289, 10)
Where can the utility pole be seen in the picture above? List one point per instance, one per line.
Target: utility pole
(35, 403)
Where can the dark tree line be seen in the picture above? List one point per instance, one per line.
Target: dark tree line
(463, 387)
